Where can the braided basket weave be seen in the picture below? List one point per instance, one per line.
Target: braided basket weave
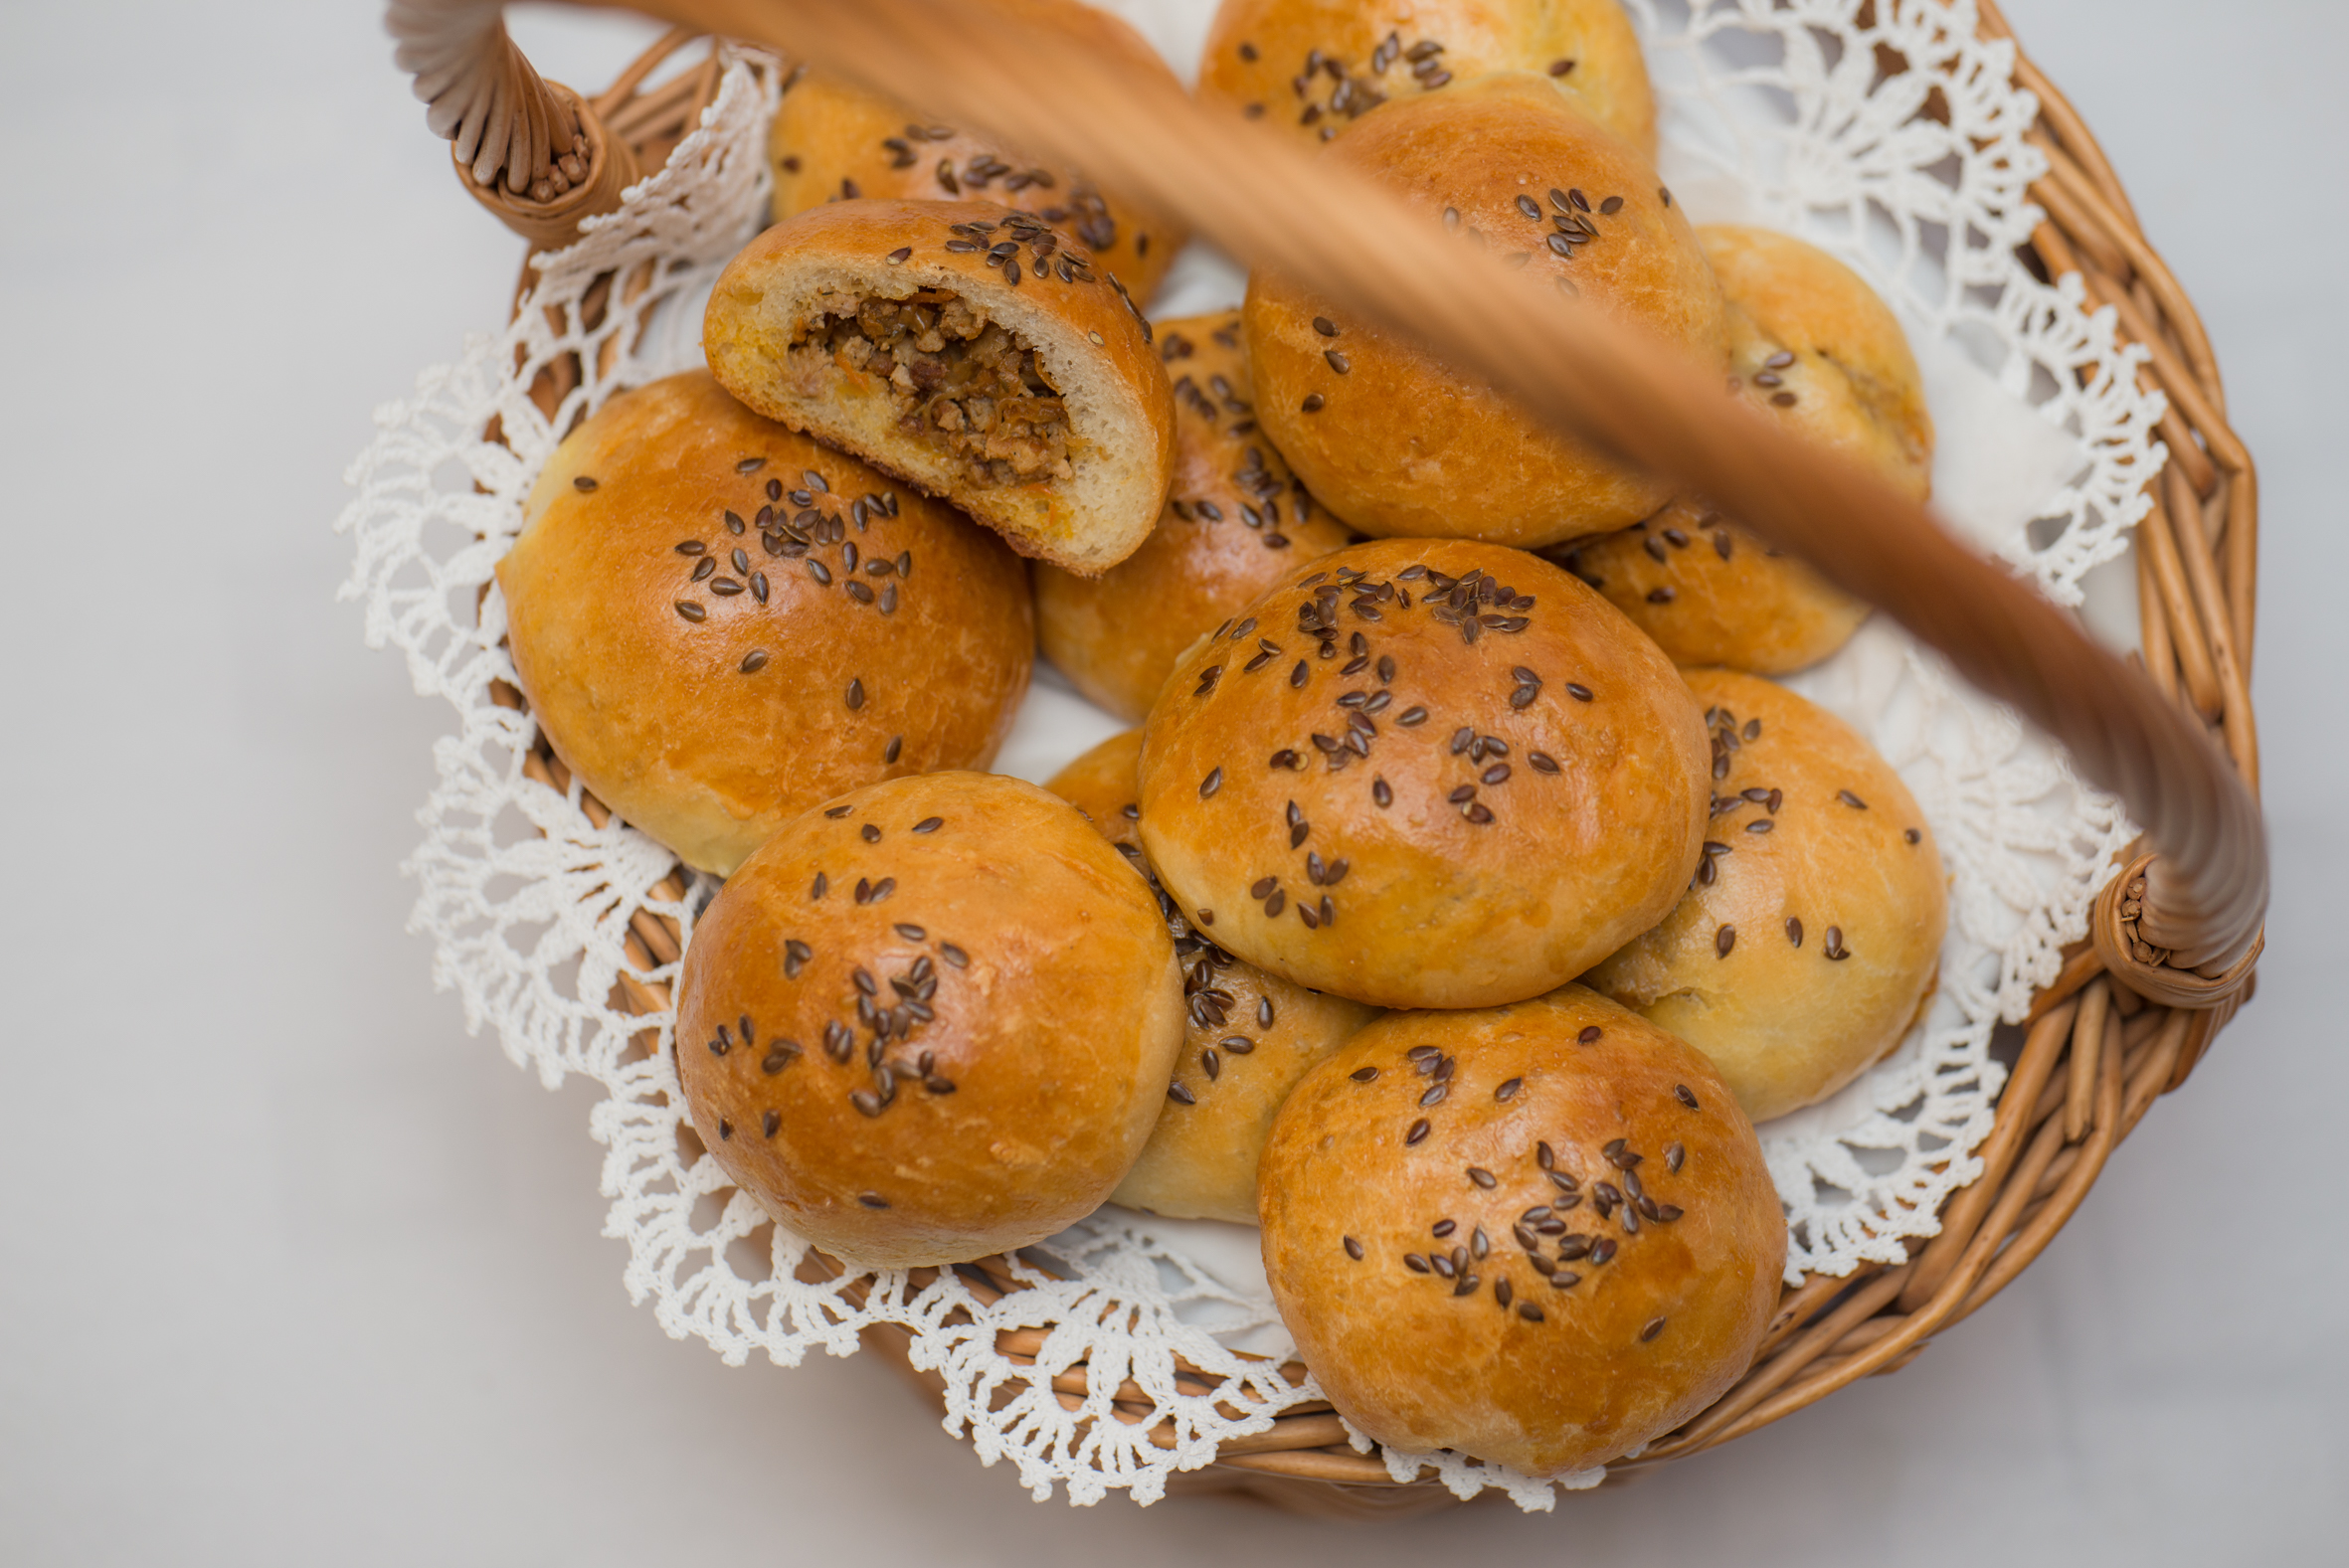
(2136, 1004)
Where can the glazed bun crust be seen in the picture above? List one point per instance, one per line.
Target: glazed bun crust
(953, 1044)
(832, 140)
(1571, 1251)
(1812, 347)
(1237, 522)
(1837, 906)
(1455, 808)
(1027, 395)
(1259, 50)
(708, 700)
(1248, 1036)
(1402, 445)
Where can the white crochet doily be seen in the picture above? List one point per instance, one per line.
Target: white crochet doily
(1774, 111)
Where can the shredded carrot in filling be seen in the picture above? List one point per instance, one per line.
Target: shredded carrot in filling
(963, 385)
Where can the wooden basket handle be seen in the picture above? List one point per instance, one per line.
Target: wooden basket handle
(530, 150)
(1268, 202)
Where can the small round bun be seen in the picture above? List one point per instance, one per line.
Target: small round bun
(931, 1021)
(720, 623)
(1811, 939)
(1398, 444)
(1813, 347)
(1459, 778)
(1249, 1036)
(1237, 522)
(967, 348)
(1541, 1235)
(832, 140)
(1350, 57)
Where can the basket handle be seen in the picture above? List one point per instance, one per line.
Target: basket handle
(2198, 907)
(530, 150)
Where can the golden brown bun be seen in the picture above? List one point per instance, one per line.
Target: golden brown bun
(1237, 521)
(1811, 939)
(805, 672)
(1028, 396)
(1543, 1239)
(1411, 822)
(832, 140)
(1812, 346)
(1249, 1036)
(1032, 1007)
(1273, 60)
(1399, 444)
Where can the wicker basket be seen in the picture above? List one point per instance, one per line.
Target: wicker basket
(2120, 1025)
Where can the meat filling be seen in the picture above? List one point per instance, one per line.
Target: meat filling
(963, 383)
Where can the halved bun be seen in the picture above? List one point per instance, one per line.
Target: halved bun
(967, 348)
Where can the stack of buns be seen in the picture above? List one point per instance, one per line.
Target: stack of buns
(1453, 912)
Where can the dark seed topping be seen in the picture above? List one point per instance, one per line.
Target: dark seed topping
(1850, 800)
(821, 882)
(1723, 939)
(1325, 326)
(1418, 1132)
(1589, 1035)
(1672, 1157)
(583, 483)
(1182, 1096)
(1312, 403)
(1655, 1328)
(1508, 1091)
(954, 955)
(690, 611)
(1353, 1249)
(1443, 1228)
(1209, 784)
(1794, 931)
(1362, 1075)
(1338, 362)
(855, 695)
(872, 835)
(1481, 1178)
(1417, 1264)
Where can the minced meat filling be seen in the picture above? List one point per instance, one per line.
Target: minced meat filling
(964, 384)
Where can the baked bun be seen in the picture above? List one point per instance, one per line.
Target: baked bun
(1426, 773)
(1027, 395)
(1393, 440)
(1810, 939)
(1248, 1036)
(832, 140)
(1813, 347)
(1319, 65)
(1237, 522)
(1541, 1235)
(931, 1021)
(720, 623)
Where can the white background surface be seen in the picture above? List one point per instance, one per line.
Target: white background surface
(294, 1271)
